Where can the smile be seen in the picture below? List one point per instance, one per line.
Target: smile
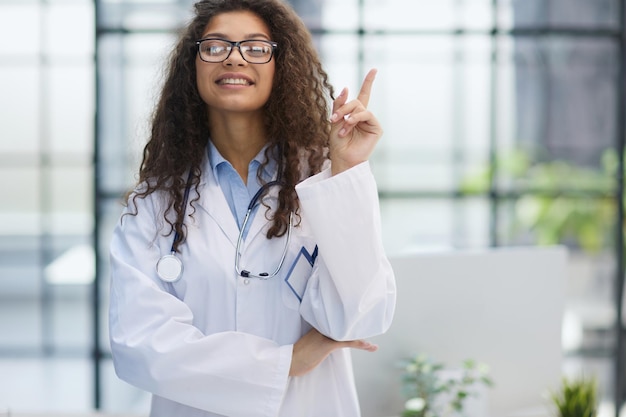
(233, 81)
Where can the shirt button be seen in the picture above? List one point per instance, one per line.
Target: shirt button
(246, 281)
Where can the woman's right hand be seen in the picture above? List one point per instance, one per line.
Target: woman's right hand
(314, 347)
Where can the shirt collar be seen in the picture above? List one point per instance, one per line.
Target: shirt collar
(216, 159)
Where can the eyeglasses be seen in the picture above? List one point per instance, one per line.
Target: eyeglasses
(253, 51)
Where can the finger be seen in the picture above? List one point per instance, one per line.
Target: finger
(370, 347)
(347, 110)
(338, 103)
(366, 88)
(364, 120)
(356, 117)
(361, 344)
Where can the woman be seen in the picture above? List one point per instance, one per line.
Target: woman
(218, 310)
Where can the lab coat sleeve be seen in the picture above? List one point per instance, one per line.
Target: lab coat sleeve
(351, 293)
(156, 347)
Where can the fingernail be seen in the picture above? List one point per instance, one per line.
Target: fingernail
(334, 117)
(342, 132)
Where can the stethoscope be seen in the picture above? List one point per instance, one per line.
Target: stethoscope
(170, 268)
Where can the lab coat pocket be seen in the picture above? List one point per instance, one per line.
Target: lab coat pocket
(297, 277)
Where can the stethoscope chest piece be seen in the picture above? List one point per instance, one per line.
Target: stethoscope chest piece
(169, 268)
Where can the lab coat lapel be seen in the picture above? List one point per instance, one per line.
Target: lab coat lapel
(213, 201)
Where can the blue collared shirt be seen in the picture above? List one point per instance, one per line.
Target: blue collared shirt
(238, 195)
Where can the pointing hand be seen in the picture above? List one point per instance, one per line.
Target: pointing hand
(355, 130)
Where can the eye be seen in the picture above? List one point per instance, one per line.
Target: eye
(257, 49)
(214, 47)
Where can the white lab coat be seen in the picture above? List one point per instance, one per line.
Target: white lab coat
(214, 344)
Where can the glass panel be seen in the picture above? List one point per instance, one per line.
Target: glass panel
(45, 212)
(586, 226)
(71, 193)
(565, 91)
(133, 15)
(16, 36)
(20, 283)
(131, 73)
(40, 385)
(20, 202)
(441, 15)
(475, 14)
(415, 83)
(432, 97)
(584, 222)
(20, 262)
(337, 15)
(340, 57)
(69, 29)
(66, 304)
(71, 125)
(568, 13)
(505, 94)
(559, 96)
(427, 224)
(310, 11)
(68, 2)
(19, 109)
(21, 259)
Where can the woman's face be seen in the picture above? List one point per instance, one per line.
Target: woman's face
(235, 85)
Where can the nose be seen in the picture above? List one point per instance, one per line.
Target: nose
(235, 58)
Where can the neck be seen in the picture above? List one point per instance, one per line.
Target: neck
(239, 138)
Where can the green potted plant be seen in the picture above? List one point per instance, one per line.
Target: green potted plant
(434, 391)
(576, 398)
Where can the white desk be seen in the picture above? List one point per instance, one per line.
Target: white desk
(502, 307)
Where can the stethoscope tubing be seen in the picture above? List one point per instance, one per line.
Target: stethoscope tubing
(263, 275)
(169, 267)
(185, 201)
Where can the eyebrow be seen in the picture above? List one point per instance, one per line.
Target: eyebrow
(224, 36)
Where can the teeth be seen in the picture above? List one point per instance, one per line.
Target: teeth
(234, 81)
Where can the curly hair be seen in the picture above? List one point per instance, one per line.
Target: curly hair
(296, 113)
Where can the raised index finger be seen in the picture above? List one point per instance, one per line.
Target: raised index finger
(366, 88)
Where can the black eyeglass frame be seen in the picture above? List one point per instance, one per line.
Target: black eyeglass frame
(237, 45)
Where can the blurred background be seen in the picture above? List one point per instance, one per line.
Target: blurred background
(504, 126)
